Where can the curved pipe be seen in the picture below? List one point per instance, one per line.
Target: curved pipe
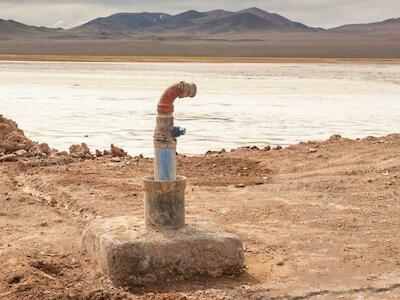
(178, 90)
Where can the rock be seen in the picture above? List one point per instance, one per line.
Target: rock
(335, 137)
(21, 152)
(41, 154)
(267, 148)
(117, 152)
(13, 279)
(52, 202)
(116, 159)
(254, 148)
(12, 138)
(9, 157)
(105, 152)
(99, 153)
(44, 148)
(240, 185)
(278, 148)
(79, 151)
(312, 150)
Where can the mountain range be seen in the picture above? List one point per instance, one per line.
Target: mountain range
(192, 21)
(216, 22)
(250, 32)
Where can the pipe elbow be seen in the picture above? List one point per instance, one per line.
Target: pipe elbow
(178, 90)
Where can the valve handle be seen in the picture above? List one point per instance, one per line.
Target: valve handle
(179, 131)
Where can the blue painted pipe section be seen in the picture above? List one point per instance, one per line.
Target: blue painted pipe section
(165, 164)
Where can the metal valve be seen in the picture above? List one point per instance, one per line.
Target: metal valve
(179, 131)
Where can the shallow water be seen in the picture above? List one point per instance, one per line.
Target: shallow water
(237, 104)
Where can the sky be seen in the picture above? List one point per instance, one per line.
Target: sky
(316, 13)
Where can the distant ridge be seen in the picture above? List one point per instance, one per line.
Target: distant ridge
(121, 23)
(13, 28)
(387, 26)
(276, 19)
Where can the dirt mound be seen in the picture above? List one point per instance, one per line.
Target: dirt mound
(12, 138)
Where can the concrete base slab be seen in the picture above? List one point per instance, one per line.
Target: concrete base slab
(132, 255)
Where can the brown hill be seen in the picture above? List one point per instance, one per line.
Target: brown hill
(10, 28)
(388, 26)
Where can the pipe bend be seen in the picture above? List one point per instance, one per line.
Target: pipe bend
(178, 90)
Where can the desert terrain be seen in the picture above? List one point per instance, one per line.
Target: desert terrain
(286, 45)
(318, 220)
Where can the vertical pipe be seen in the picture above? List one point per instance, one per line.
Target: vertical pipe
(164, 148)
(165, 164)
(165, 133)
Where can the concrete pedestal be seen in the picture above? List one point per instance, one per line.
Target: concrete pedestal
(132, 255)
(164, 203)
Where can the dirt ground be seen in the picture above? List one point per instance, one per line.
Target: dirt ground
(318, 220)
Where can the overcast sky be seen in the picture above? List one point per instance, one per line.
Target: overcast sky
(318, 13)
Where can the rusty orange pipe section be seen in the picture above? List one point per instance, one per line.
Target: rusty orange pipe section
(178, 90)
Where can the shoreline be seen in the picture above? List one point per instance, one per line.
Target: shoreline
(189, 59)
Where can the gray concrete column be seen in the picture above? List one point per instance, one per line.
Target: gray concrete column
(164, 203)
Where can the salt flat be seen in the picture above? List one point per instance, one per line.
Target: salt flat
(238, 104)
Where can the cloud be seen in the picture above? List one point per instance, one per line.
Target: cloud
(324, 13)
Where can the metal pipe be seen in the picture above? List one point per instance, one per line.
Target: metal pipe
(178, 90)
(166, 133)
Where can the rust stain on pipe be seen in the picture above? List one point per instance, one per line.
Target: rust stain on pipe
(178, 90)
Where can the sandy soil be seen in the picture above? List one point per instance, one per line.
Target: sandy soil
(318, 220)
